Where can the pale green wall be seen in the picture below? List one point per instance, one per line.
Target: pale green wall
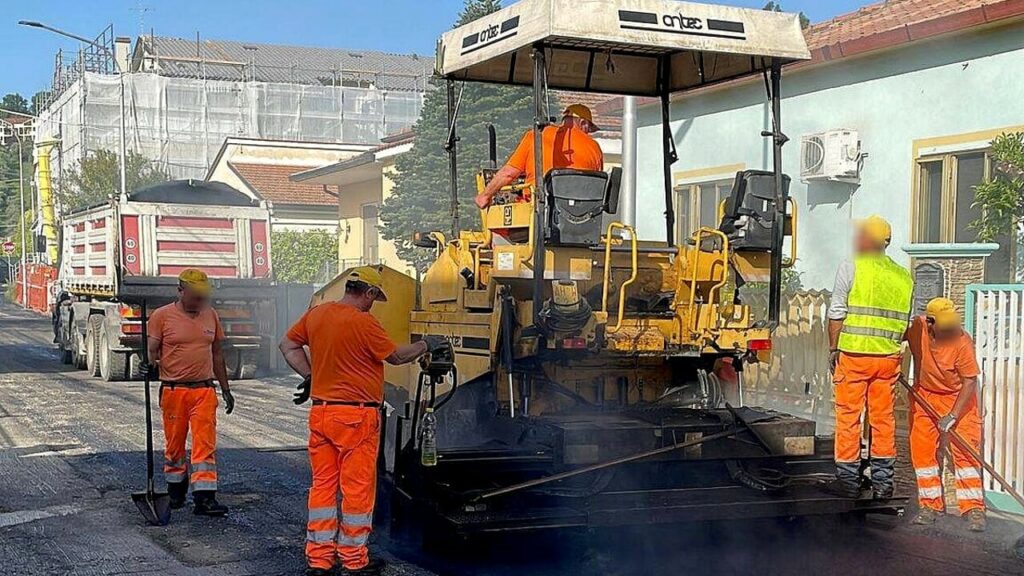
(951, 86)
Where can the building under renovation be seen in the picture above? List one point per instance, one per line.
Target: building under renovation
(178, 100)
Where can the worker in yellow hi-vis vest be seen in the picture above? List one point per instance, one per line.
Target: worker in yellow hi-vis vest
(869, 312)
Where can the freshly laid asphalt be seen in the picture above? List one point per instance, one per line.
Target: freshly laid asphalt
(72, 451)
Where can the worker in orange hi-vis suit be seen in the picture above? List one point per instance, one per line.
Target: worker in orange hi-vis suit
(185, 339)
(867, 319)
(344, 374)
(946, 377)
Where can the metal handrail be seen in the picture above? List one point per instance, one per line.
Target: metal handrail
(792, 235)
(696, 260)
(608, 271)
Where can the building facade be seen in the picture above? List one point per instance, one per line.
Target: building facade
(179, 99)
(925, 86)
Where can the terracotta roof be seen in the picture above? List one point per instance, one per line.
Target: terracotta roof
(271, 182)
(895, 22)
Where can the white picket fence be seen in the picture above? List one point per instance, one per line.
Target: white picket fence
(995, 318)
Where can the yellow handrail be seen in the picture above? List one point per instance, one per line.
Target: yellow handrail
(696, 260)
(792, 236)
(608, 271)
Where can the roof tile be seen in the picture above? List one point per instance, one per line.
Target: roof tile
(271, 182)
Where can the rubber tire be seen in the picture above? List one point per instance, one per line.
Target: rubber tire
(247, 371)
(77, 356)
(63, 347)
(92, 344)
(133, 367)
(113, 365)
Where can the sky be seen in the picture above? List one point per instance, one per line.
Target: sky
(401, 26)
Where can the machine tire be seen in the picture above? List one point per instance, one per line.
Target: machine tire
(240, 365)
(133, 367)
(77, 356)
(64, 347)
(113, 365)
(92, 344)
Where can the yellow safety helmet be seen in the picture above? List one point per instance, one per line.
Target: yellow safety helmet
(876, 228)
(372, 276)
(582, 112)
(196, 280)
(942, 312)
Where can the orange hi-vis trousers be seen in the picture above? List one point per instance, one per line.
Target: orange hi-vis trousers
(863, 381)
(343, 444)
(192, 409)
(866, 382)
(924, 443)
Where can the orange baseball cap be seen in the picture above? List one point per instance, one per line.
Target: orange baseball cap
(582, 112)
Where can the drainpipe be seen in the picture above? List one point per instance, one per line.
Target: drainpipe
(627, 204)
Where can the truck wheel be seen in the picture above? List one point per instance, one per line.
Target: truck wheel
(77, 356)
(64, 346)
(113, 365)
(92, 344)
(134, 373)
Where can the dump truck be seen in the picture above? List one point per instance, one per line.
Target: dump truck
(132, 248)
(587, 383)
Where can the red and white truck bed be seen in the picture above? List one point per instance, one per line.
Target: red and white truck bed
(132, 248)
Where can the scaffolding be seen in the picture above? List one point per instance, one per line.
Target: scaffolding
(179, 109)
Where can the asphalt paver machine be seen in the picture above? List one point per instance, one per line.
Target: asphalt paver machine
(591, 387)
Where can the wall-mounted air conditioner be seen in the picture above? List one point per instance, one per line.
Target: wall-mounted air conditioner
(834, 155)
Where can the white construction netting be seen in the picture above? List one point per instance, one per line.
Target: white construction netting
(181, 123)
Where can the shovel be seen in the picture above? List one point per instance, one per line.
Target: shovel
(154, 506)
(967, 448)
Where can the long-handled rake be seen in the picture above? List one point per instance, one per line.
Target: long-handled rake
(154, 506)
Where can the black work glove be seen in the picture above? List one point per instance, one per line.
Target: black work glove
(303, 391)
(435, 342)
(151, 369)
(229, 401)
(833, 361)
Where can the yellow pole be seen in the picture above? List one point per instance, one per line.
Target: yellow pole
(45, 185)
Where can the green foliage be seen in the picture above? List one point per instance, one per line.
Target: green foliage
(98, 175)
(298, 256)
(15, 103)
(421, 197)
(1001, 197)
(777, 7)
(10, 204)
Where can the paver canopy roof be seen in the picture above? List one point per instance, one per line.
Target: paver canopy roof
(618, 46)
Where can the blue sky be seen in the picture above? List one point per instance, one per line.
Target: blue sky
(404, 26)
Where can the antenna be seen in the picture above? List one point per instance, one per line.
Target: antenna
(141, 8)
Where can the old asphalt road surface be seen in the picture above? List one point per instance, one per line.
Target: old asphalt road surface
(71, 452)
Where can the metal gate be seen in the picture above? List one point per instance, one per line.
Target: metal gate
(994, 318)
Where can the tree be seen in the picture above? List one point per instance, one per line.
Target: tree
(1000, 198)
(299, 256)
(14, 102)
(777, 7)
(420, 200)
(98, 175)
(39, 101)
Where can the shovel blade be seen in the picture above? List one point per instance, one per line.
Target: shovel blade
(154, 506)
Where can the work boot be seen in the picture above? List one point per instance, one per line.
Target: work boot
(312, 571)
(842, 488)
(883, 477)
(373, 568)
(976, 521)
(926, 517)
(206, 503)
(178, 492)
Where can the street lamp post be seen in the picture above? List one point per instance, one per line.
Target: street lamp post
(122, 152)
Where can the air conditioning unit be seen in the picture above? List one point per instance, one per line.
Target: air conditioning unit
(834, 155)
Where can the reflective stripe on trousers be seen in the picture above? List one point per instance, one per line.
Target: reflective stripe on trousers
(185, 410)
(343, 457)
(924, 442)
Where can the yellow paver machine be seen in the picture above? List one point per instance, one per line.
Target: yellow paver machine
(598, 376)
